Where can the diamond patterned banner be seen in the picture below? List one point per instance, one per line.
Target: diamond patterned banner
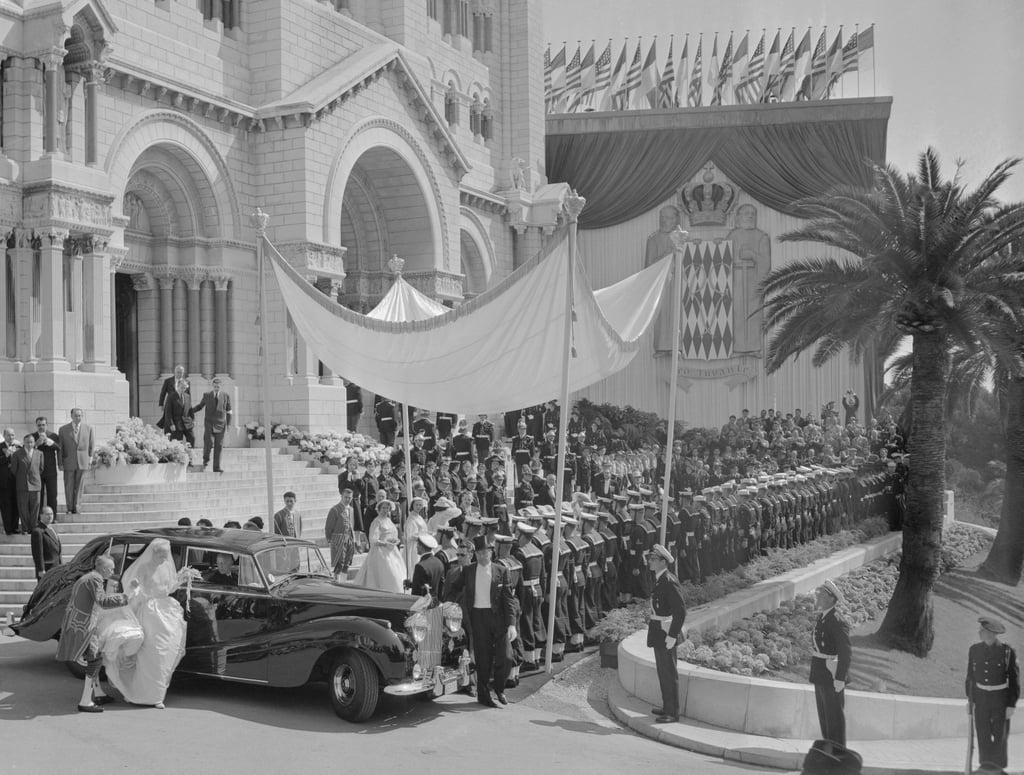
(706, 325)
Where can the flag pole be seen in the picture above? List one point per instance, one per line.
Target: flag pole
(574, 205)
(678, 236)
(260, 220)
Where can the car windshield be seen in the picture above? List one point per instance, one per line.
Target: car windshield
(281, 563)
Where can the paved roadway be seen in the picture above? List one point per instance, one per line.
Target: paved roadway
(223, 728)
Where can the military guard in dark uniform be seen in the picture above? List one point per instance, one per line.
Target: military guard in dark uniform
(462, 445)
(532, 627)
(483, 437)
(664, 631)
(522, 449)
(594, 597)
(576, 575)
(830, 663)
(503, 557)
(561, 567)
(610, 575)
(445, 424)
(993, 688)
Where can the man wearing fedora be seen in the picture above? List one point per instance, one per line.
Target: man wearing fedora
(993, 687)
(665, 629)
(830, 662)
(490, 610)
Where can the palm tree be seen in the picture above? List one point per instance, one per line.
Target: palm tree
(930, 264)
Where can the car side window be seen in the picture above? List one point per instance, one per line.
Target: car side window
(124, 555)
(248, 575)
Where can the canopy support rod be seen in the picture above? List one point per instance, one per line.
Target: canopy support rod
(260, 220)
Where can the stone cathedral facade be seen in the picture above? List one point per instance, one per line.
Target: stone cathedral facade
(138, 136)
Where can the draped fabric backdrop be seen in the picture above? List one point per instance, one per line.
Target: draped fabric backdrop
(623, 174)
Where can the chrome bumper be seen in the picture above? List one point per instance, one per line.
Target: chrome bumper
(441, 681)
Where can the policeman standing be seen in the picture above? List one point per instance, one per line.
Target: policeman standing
(993, 687)
(830, 662)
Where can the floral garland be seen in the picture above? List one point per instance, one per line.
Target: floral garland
(331, 447)
(780, 638)
(136, 443)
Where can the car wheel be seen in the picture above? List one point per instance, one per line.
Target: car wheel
(354, 686)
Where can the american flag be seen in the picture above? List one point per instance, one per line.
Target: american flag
(610, 98)
(586, 82)
(794, 73)
(573, 75)
(596, 79)
(667, 84)
(858, 43)
(724, 73)
(632, 77)
(694, 95)
(749, 89)
(833, 68)
(557, 77)
(805, 90)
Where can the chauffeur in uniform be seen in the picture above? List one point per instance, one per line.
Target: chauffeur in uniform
(993, 687)
(830, 662)
(665, 629)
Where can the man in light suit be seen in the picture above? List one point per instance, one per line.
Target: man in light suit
(217, 406)
(491, 613)
(76, 446)
(45, 544)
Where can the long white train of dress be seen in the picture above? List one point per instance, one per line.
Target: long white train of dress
(383, 567)
(144, 678)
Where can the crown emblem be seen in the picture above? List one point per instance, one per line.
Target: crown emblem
(709, 201)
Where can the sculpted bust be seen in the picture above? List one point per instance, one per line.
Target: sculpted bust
(752, 260)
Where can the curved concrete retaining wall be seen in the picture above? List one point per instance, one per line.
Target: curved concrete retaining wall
(776, 708)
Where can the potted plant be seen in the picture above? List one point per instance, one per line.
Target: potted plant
(616, 626)
(139, 454)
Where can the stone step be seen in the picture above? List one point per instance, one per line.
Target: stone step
(17, 572)
(306, 493)
(208, 478)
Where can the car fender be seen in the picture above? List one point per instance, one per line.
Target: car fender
(297, 653)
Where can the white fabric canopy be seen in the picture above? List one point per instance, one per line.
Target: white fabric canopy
(404, 303)
(502, 350)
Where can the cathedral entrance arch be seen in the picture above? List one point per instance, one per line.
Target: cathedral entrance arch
(383, 199)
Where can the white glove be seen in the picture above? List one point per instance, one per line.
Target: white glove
(1009, 713)
(839, 686)
(670, 643)
(512, 633)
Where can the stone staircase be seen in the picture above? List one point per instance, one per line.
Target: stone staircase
(239, 493)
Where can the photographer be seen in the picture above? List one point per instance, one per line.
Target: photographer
(851, 403)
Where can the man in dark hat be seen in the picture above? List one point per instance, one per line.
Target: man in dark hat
(993, 687)
(490, 611)
(665, 630)
(830, 662)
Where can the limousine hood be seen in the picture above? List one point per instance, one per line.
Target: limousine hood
(321, 590)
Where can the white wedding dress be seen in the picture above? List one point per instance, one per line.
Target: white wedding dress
(383, 567)
(141, 667)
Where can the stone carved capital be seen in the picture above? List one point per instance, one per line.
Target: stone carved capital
(53, 236)
(220, 282)
(143, 282)
(166, 282)
(53, 58)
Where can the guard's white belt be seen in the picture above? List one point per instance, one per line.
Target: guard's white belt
(690, 534)
(995, 688)
(819, 655)
(531, 583)
(657, 618)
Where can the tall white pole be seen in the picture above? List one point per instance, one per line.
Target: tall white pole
(574, 205)
(408, 479)
(260, 220)
(678, 237)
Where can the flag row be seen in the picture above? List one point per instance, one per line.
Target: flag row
(783, 69)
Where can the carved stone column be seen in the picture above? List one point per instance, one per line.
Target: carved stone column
(93, 76)
(9, 342)
(51, 301)
(330, 288)
(73, 309)
(220, 304)
(53, 86)
(117, 257)
(207, 322)
(143, 330)
(166, 325)
(98, 303)
(193, 282)
(180, 296)
(25, 243)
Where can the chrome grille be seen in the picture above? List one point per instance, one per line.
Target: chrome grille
(430, 648)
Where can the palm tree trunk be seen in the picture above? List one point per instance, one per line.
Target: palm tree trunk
(1006, 557)
(908, 621)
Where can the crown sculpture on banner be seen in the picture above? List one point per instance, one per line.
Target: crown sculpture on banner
(708, 202)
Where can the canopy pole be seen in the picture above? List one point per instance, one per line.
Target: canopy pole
(573, 205)
(678, 236)
(260, 220)
(408, 480)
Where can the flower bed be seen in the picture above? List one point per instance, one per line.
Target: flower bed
(622, 622)
(331, 447)
(136, 443)
(778, 639)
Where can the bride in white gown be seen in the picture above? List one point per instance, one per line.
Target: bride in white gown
(142, 673)
(383, 567)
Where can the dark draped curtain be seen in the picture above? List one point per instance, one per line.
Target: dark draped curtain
(623, 174)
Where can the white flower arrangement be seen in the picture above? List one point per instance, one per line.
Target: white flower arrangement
(136, 443)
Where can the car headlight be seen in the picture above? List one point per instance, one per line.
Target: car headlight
(417, 671)
(452, 613)
(417, 627)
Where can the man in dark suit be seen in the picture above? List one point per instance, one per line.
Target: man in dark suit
(177, 403)
(830, 662)
(169, 386)
(49, 444)
(217, 406)
(664, 631)
(993, 688)
(45, 544)
(8, 493)
(76, 446)
(490, 609)
(349, 479)
(428, 575)
(27, 465)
